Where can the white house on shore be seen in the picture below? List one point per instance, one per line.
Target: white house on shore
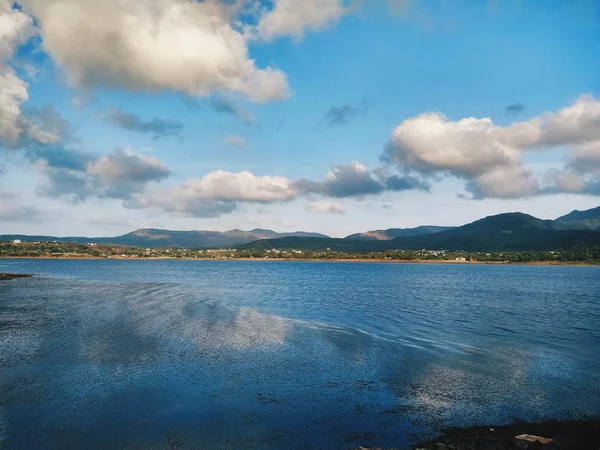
(16, 241)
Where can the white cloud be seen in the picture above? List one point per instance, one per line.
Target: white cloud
(220, 192)
(15, 29)
(124, 165)
(13, 91)
(75, 176)
(216, 193)
(564, 181)
(153, 45)
(325, 207)
(489, 156)
(432, 143)
(294, 17)
(241, 186)
(236, 141)
(586, 158)
(512, 182)
(575, 124)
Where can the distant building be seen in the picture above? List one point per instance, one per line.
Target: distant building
(16, 241)
(461, 259)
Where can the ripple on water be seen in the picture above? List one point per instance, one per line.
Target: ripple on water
(231, 355)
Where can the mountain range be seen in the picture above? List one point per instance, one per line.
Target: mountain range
(393, 233)
(154, 238)
(510, 231)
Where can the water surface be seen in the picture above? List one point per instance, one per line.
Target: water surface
(203, 354)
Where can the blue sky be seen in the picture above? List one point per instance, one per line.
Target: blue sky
(321, 115)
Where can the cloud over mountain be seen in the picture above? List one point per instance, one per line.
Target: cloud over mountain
(221, 191)
(327, 207)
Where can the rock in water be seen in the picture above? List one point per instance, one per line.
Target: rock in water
(525, 440)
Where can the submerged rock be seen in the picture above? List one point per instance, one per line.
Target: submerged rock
(12, 276)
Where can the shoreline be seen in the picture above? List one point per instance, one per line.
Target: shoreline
(354, 260)
(565, 435)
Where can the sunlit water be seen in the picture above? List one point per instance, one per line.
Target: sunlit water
(198, 354)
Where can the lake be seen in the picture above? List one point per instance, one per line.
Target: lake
(280, 355)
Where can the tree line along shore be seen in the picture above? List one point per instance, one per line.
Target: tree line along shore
(66, 250)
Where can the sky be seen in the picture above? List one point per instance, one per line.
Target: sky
(334, 116)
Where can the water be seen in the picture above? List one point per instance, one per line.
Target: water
(200, 354)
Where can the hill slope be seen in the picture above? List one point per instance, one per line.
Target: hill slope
(154, 238)
(392, 233)
(579, 220)
(512, 231)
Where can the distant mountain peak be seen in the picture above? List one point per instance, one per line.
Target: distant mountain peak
(576, 214)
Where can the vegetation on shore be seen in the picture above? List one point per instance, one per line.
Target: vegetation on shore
(76, 250)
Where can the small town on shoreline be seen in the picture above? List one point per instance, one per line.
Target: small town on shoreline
(70, 250)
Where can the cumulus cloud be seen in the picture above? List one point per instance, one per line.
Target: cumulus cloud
(224, 104)
(19, 128)
(124, 172)
(217, 193)
(236, 141)
(325, 207)
(13, 91)
(220, 192)
(510, 182)
(575, 124)
(241, 186)
(46, 126)
(581, 173)
(350, 180)
(489, 156)
(12, 210)
(431, 143)
(74, 175)
(153, 45)
(179, 200)
(354, 179)
(293, 18)
(15, 29)
(556, 181)
(586, 158)
(158, 127)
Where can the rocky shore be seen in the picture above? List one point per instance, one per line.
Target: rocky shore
(551, 435)
(13, 276)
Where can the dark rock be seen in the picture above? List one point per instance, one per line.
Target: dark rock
(12, 276)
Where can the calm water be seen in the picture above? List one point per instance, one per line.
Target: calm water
(195, 354)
